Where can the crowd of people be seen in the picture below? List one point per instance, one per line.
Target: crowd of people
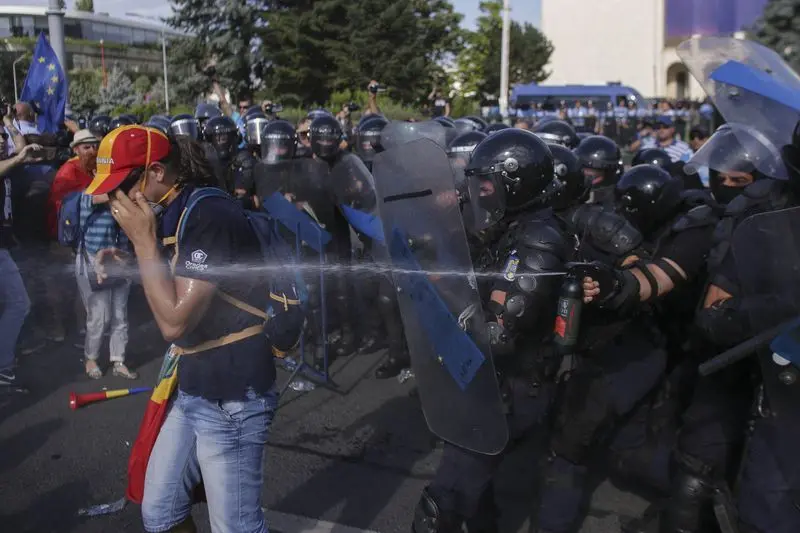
(182, 200)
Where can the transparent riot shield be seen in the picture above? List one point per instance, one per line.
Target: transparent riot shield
(750, 85)
(766, 248)
(399, 132)
(293, 193)
(438, 296)
(353, 189)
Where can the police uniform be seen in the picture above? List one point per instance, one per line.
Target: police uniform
(622, 362)
(462, 492)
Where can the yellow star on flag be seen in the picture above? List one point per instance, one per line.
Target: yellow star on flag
(51, 91)
(54, 79)
(51, 66)
(41, 59)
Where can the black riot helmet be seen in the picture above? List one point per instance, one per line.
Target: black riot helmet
(557, 132)
(648, 196)
(445, 121)
(573, 187)
(460, 149)
(130, 116)
(495, 127)
(278, 142)
(120, 121)
(253, 110)
(325, 135)
(316, 113)
(205, 111)
(254, 127)
(159, 122)
(600, 158)
(514, 169)
(368, 137)
(479, 122)
(464, 125)
(652, 156)
(100, 126)
(222, 134)
(184, 124)
(371, 116)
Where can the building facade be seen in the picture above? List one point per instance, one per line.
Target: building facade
(634, 41)
(132, 45)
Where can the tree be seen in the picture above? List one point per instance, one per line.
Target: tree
(778, 29)
(118, 94)
(479, 63)
(84, 90)
(142, 85)
(156, 94)
(6, 65)
(84, 5)
(324, 46)
(223, 45)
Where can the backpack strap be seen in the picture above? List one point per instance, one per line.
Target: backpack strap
(174, 240)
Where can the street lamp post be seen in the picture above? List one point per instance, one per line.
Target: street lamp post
(14, 66)
(163, 56)
(504, 58)
(166, 80)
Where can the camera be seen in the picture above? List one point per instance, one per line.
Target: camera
(376, 88)
(352, 106)
(271, 109)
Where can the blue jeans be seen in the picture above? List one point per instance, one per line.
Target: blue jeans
(14, 307)
(220, 444)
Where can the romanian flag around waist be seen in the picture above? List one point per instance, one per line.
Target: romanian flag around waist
(154, 415)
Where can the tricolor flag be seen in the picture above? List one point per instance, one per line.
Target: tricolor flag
(154, 416)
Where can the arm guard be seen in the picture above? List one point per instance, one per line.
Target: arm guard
(541, 248)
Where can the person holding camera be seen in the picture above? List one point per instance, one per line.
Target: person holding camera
(372, 98)
(14, 302)
(440, 106)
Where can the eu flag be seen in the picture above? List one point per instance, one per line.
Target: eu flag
(46, 87)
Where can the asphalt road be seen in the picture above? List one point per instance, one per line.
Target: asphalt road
(345, 460)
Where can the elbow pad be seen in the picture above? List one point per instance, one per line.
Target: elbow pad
(723, 324)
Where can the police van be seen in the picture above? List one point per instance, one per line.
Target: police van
(552, 97)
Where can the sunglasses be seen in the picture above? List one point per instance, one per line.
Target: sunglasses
(243, 106)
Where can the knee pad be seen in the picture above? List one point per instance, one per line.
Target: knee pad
(431, 517)
(690, 505)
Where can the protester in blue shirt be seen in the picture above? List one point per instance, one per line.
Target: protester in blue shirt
(666, 139)
(105, 305)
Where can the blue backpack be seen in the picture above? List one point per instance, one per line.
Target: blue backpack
(69, 220)
(284, 316)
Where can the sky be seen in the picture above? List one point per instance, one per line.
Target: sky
(521, 10)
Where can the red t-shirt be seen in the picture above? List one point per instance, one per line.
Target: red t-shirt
(69, 178)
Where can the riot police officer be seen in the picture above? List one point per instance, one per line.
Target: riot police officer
(159, 122)
(184, 124)
(557, 132)
(660, 158)
(367, 141)
(623, 356)
(118, 122)
(601, 160)
(100, 125)
(205, 111)
(222, 137)
(706, 456)
(326, 136)
(512, 169)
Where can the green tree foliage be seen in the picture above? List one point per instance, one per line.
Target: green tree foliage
(479, 62)
(119, 93)
(156, 94)
(84, 5)
(320, 47)
(779, 28)
(84, 90)
(142, 85)
(7, 81)
(223, 45)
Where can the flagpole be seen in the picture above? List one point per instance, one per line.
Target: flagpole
(55, 23)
